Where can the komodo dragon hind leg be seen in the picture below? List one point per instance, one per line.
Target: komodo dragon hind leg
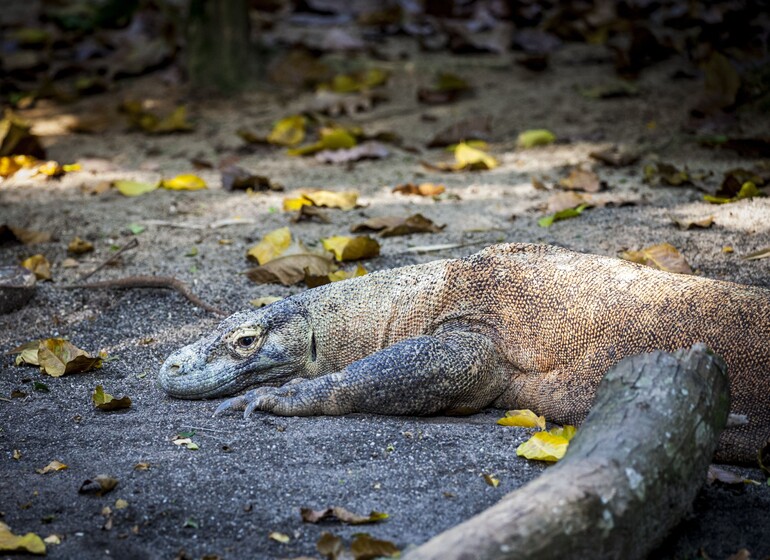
(424, 375)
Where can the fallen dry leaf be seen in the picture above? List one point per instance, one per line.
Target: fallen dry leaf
(365, 547)
(534, 138)
(329, 546)
(58, 357)
(543, 446)
(666, 173)
(747, 190)
(39, 266)
(236, 178)
(29, 542)
(279, 537)
(547, 221)
(184, 182)
(582, 180)
(330, 138)
(523, 419)
(134, 188)
(663, 256)
(271, 246)
(105, 401)
(264, 301)
(720, 474)
(288, 131)
(53, 466)
(99, 485)
(12, 234)
(79, 246)
(421, 189)
(314, 281)
(491, 480)
(310, 515)
(351, 248)
(291, 269)
(390, 226)
(328, 199)
(699, 223)
(616, 156)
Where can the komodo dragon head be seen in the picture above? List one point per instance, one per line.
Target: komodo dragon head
(262, 347)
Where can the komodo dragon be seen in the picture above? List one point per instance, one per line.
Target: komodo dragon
(513, 326)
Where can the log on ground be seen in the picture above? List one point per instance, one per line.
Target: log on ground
(629, 475)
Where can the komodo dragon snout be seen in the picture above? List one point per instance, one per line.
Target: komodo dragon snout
(260, 347)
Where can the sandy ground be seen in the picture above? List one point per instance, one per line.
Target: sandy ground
(250, 478)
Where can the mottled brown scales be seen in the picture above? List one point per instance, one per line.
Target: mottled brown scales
(514, 326)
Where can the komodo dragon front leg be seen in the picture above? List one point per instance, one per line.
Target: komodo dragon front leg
(455, 372)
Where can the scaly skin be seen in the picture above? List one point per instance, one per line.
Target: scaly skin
(514, 326)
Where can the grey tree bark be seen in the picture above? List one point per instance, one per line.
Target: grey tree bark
(629, 475)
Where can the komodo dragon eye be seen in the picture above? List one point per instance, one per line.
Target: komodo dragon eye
(244, 340)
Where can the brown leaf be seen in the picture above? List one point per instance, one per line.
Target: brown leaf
(666, 173)
(105, 401)
(329, 546)
(58, 357)
(340, 514)
(308, 212)
(663, 256)
(365, 547)
(390, 226)
(99, 485)
(12, 234)
(291, 269)
(582, 180)
(236, 178)
(422, 189)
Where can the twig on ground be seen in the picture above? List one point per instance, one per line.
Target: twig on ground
(130, 245)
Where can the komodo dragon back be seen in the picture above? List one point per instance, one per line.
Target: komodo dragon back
(514, 326)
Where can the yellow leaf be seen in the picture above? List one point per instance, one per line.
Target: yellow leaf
(543, 446)
(663, 256)
(120, 503)
(105, 401)
(345, 275)
(30, 542)
(184, 182)
(279, 537)
(523, 419)
(271, 246)
(332, 138)
(288, 131)
(50, 169)
(52, 467)
(537, 137)
(470, 158)
(264, 301)
(58, 356)
(567, 432)
(27, 353)
(134, 188)
(79, 246)
(492, 480)
(39, 265)
(328, 199)
(176, 121)
(351, 248)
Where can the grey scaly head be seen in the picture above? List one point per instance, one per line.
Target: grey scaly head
(265, 346)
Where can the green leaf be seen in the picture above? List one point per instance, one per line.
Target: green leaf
(136, 229)
(134, 188)
(536, 137)
(547, 221)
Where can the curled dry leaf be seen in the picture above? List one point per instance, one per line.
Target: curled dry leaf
(79, 246)
(310, 515)
(582, 180)
(39, 266)
(467, 158)
(358, 81)
(534, 138)
(564, 201)
(345, 200)
(390, 226)
(58, 357)
(666, 173)
(615, 156)
(291, 269)
(351, 248)
(332, 138)
(272, 245)
(236, 178)
(491, 480)
(53, 466)
(99, 485)
(421, 189)
(523, 419)
(365, 547)
(747, 190)
(29, 542)
(184, 182)
(105, 401)
(307, 213)
(663, 256)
